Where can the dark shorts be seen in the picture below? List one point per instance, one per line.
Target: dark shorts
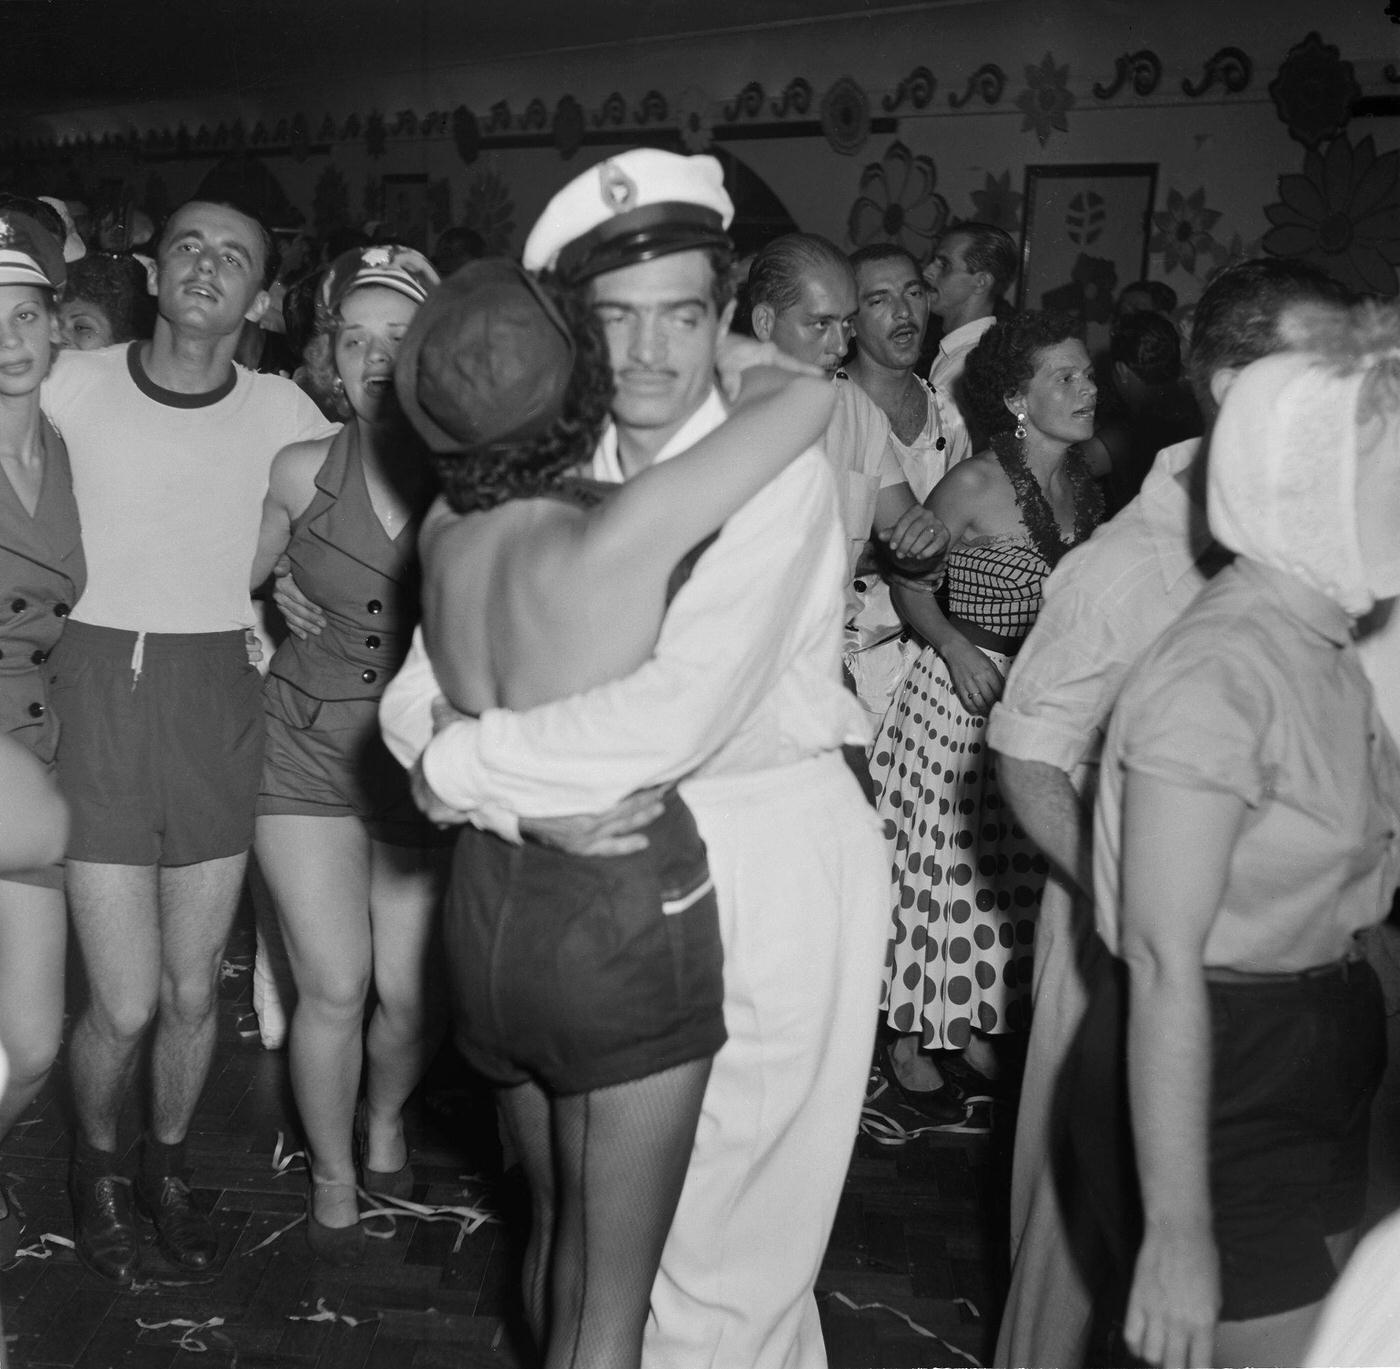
(326, 758)
(160, 765)
(1296, 1060)
(581, 973)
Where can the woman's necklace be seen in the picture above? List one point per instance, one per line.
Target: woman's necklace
(1036, 513)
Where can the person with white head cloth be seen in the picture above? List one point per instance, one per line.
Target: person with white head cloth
(740, 700)
(1245, 834)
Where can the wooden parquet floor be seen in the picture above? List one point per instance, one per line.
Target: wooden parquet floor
(911, 1276)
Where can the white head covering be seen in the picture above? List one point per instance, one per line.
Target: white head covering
(1304, 464)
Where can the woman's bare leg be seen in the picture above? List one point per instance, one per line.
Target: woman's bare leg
(525, 1111)
(318, 872)
(33, 939)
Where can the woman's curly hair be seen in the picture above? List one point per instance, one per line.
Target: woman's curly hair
(322, 380)
(1004, 361)
(116, 283)
(482, 477)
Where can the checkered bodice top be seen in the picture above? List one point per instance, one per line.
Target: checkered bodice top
(996, 584)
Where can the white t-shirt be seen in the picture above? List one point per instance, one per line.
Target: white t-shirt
(170, 486)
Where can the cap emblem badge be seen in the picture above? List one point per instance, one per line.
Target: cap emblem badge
(619, 189)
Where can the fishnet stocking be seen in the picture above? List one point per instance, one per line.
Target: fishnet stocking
(620, 1161)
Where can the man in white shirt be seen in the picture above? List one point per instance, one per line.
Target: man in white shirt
(743, 702)
(892, 313)
(803, 295)
(161, 752)
(970, 273)
(926, 434)
(1104, 605)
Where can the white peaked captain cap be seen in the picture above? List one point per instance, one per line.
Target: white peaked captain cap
(641, 204)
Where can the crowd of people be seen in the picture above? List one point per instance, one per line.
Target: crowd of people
(716, 735)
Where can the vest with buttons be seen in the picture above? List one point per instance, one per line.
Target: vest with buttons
(42, 573)
(364, 581)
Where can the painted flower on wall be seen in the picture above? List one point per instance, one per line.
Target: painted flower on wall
(845, 116)
(693, 120)
(1089, 293)
(1046, 100)
(1237, 249)
(1314, 91)
(490, 210)
(898, 202)
(1343, 213)
(998, 204)
(1183, 230)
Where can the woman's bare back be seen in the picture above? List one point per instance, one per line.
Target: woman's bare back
(516, 615)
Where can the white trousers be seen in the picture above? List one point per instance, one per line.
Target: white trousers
(802, 876)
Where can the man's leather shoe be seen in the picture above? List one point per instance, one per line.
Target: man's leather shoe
(106, 1239)
(186, 1235)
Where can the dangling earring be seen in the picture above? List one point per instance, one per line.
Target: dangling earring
(1020, 427)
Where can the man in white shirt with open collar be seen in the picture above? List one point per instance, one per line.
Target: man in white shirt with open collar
(971, 270)
(743, 701)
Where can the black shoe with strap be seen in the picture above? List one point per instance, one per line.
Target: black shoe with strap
(943, 1106)
(185, 1234)
(104, 1228)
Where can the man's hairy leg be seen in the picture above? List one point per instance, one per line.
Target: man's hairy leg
(115, 920)
(197, 905)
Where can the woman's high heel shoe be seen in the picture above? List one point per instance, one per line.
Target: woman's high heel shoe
(943, 1106)
(338, 1245)
(387, 1183)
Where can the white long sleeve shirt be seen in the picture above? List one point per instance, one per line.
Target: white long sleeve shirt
(746, 673)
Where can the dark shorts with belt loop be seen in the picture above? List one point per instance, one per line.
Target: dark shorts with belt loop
(584, 972)
(161, 751)
(1296, 1059)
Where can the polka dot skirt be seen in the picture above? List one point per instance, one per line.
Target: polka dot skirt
(966, 878)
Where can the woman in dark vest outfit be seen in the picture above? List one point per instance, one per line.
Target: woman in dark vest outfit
(353, 867)
(42, 573)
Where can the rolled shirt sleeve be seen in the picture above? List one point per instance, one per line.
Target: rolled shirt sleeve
(1061, 688)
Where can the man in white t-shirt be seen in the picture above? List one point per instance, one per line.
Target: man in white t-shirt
(970, 273)
(161, 749)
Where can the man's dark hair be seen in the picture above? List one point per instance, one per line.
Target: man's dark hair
(990, 249)
(1162, 296)
(455, 247)
(775, 278)
(272, 254)
(1237, 317)
(881, 251)
(1149, 346)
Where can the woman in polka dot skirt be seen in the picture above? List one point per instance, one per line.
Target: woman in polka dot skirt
(966, 878)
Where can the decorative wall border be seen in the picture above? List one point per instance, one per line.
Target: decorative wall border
(687, 119)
